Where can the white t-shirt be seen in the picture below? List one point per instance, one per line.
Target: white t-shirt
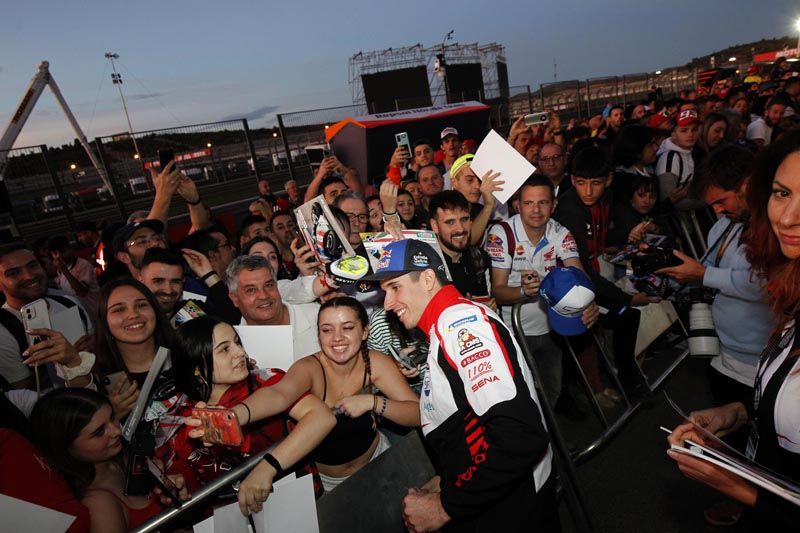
(303, 319)
(556, 244)
(11, 365)
(787, 409)
(758, 129)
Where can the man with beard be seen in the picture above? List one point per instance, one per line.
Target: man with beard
(468, 265)
(22, 281)
(162, 273)
(614, 122)
(284, 228)
(133, 240)
(760, 130)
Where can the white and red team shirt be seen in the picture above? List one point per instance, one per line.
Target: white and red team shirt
(557, 244)
(478, 408)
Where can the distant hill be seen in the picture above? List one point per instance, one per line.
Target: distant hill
(743, 52)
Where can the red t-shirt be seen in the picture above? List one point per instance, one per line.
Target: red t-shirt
(25, 475)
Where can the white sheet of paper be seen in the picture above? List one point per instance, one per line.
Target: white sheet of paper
(497, 155)
(69, 323)
(229, 519)
(19, 515)
(187, 295)
(290, 509)
(269, 346)
(206, 526)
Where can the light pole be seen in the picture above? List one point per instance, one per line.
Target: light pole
(797, 27)
(116, 79)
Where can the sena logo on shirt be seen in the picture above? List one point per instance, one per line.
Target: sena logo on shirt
(467, 341)
(484, 381)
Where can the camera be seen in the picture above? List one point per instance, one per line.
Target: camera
(653, 258)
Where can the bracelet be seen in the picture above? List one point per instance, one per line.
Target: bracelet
(390, 214)
(248, 413)
(522, 291)
(270, 460)
(207, 275)
(383, 407)
(374, 403)
(196, 202)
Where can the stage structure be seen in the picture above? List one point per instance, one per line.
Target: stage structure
(415, 76)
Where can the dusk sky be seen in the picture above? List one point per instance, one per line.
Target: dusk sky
(189, 62)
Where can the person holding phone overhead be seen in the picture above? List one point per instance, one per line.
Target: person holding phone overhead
(211, 369)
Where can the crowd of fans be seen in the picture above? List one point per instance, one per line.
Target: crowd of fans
(718, 176)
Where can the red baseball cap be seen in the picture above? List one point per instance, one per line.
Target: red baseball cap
(687, 117)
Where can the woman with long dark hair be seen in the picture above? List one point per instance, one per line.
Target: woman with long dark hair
(773, 250)
(210, 367)
(130, 329)
(76, 432)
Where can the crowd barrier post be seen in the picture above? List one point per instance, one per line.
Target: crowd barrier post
(569, 477)
(624, 93)
(65, 205)
(541, 94)
(251, 148)
(585, 382)
(588, 100)
(285, 140)
(157, 523)
(101, 155)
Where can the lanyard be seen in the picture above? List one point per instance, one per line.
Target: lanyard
(724, 246)
(768, 356)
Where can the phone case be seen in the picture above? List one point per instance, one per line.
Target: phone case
(220, 426)
(164, 483)
(35, 315)
(110, 381)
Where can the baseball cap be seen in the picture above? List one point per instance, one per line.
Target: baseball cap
(460, 163)
(124, 233)
(449, 131)
(687, 117)
(567, 291)
(658, 119)
(409, 255)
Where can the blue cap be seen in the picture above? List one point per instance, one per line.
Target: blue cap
(409, 255)
(567, 292)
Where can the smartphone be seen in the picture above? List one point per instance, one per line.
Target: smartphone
(165, 155)
(327, 151)
(220, 426)
(404, 359)
(112, 380)
(35, 315)
(137, 480)
(164, 483)
(402, 140)
(537, 118)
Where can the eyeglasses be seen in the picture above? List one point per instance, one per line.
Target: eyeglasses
(145, 240)
(551, 159)
(225, 244)
(355, 216)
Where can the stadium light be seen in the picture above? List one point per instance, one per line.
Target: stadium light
(73, 166)
(658, 72)
(274, 134)
(731, 59)
(136, 156)
(208, 145)
(327, 126)
(797, 24)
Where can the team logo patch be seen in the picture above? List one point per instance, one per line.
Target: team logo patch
(520, 250)
(468, 360)
(550, 254)
(420, 260)
(461, 322)
(568, 244)
(386, 257)
(467, 341)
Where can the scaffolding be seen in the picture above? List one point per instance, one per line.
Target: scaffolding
(488, 55)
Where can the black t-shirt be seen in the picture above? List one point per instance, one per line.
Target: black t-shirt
(469, 274)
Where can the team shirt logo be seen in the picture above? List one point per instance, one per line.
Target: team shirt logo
(467, 341)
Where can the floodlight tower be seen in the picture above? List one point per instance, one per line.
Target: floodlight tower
(116, 79)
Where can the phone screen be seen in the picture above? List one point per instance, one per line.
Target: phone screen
(165, 155)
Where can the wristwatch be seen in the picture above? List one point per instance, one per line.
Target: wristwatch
(391, 216)
(69, 373)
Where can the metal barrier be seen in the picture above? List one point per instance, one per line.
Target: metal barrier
(569, 460)
(203, 495)
(569, 477)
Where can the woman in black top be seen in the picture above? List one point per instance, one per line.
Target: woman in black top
(773, 249)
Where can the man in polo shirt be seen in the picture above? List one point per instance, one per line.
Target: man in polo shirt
(254, 290)
(522, 251)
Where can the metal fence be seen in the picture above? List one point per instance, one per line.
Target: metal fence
(50, 190)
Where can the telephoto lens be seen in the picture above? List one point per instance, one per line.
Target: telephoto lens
(703, 339)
